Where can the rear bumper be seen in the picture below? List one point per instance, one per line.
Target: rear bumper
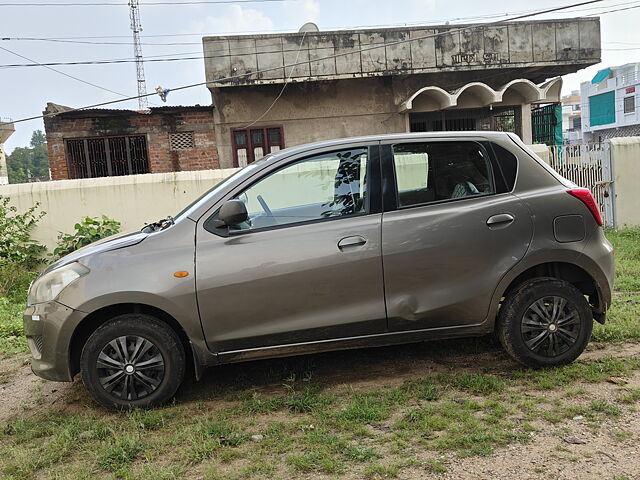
(48, 339)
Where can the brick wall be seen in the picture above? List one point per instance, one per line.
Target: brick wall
(156, 125)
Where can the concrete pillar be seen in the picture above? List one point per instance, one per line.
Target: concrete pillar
(541, 151)
(625, 152)
(526, 133)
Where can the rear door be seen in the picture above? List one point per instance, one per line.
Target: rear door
(451, 229)
(307, 265)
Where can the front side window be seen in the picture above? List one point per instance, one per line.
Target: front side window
(431, 172)
(319, 187)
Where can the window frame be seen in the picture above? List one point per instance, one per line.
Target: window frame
(633, 104)
(373, 203)
(390, 184)
(265, 132)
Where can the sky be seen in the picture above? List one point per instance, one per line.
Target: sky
(176, 30)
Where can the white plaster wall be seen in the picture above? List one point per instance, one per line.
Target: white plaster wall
(625, 154)
(132, 200)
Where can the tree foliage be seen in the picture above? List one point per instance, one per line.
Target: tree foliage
(29, 162)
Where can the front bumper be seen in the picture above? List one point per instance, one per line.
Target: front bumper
(48, 327)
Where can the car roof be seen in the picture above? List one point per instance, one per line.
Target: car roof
(274, 157)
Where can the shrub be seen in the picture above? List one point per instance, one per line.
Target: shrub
(14, 282)
(16, 245)
(88, 230)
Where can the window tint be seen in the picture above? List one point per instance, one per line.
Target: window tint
(323, 186)
(508, 164)
(430, 172)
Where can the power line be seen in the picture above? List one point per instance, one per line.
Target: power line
(195, 56)
(112, 4)
(170, 58)
(62, 73)
(283, 87)
(420, 23)
(371, 47)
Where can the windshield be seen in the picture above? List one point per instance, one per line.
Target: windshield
(217, 188)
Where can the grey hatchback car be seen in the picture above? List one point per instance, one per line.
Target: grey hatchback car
(340, 244)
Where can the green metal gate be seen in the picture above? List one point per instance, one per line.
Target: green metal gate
(546, 124)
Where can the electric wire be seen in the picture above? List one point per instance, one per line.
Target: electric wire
(163, 58)
(245, 75)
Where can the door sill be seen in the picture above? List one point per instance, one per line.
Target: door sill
(347, 343)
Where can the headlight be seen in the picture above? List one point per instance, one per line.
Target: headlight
(49, 286)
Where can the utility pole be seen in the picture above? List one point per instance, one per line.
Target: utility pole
(136, 27)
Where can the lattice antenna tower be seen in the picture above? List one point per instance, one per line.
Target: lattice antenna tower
(136, 28)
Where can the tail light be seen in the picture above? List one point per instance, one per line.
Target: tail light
(584, 195)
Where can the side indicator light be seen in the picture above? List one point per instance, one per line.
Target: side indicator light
(181, 274)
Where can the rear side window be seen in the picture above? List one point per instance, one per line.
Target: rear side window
(438, 171)
(508, 166)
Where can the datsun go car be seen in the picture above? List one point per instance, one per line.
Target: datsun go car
(339, 244)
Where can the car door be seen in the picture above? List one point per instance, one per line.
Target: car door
(306, 266)
(451, 229)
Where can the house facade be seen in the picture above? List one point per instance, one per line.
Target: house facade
(611, 103)
(279, 90)
(106, 142)
(571, 118)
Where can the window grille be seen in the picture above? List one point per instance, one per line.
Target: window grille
(107, 156)
(181, 141)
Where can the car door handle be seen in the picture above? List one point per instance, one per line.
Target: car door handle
(355, 241)
(500, 219)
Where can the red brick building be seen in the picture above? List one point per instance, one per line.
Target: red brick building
(104, 142)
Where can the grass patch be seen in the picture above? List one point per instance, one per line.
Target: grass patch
(584, 371)
(623, 320)
(626, 243)
(478, 384)
(12, 340)
(369, 433)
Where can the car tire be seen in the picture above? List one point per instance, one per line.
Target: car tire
(545, 322)
(133, 361)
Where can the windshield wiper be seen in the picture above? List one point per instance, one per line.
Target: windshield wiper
(159, 225)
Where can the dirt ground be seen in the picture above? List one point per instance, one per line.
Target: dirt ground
(588, 454)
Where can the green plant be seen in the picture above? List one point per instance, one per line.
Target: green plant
(16, 244)
(87, 231)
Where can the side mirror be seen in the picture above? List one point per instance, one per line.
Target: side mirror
(233, 212)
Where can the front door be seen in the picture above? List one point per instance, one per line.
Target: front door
(452, 232)
(305, 267)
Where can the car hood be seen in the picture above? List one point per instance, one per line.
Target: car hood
(114, 242)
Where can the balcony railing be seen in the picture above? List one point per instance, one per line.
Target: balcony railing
(630, 78)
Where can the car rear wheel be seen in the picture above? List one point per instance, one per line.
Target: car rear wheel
(133, 361)
(545, 322)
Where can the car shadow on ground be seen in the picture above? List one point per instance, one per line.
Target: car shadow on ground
(365, 366)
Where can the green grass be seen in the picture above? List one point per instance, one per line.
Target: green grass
(12, 340)
(626, 243)
(370, 432)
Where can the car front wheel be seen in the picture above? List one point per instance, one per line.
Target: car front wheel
(133, 361)
(545, 322)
